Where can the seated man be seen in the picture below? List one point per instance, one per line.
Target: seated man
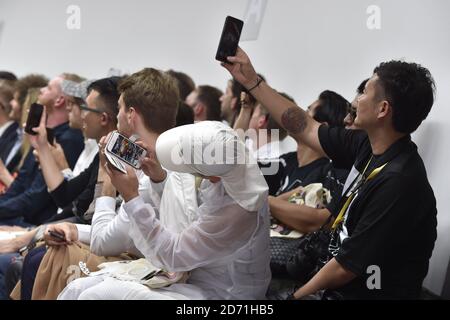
(225, 250)
(296, 212)
(378, 222)
(23, 89)
(98, 119)
(351, 113)
(306, 166)
(9, 136)
(73, 196)
(230, 103)
(205, 103)
(184, 83)
(27, 201)
(109, 233)
(263, 135)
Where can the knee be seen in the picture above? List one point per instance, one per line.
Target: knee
(72, 291)
(90, 294)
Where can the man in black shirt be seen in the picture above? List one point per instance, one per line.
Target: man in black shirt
(386, 227)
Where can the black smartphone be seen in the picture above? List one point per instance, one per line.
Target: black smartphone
(34, 118)
(50, 136)
(57, 235)
(229, 40)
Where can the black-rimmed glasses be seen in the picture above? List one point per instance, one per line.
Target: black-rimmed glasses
(84, 107)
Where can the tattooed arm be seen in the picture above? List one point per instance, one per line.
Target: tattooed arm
(303, 128)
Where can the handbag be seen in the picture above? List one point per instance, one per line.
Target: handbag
(284, 242)
(311, 255)
(281, 249)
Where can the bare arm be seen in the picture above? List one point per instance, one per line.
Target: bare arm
(243, 120)
(299, 217)
(303, 128)
(13, 245)
(331, 276)
(285, 196)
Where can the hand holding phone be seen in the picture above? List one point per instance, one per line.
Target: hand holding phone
(121, 149)
(115, 164)
(58, 236)
(229, 39)
(34, 118)
(50, 136)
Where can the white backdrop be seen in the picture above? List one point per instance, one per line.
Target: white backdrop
(303, 48)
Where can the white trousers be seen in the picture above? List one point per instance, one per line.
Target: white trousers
(106, 288)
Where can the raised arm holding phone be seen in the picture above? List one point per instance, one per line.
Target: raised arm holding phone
(395, 101)
(47, 162)
(300, 125)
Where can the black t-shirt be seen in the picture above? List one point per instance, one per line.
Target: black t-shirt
(291, 176)
(391, 223)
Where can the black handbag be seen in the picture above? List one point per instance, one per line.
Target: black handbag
(311, 255)
(281, 249)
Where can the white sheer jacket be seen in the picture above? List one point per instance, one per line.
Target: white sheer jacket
(226, 248)
(109, 233)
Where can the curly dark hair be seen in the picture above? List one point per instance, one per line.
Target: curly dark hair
(410, 90)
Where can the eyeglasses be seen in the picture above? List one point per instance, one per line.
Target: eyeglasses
(84, 107)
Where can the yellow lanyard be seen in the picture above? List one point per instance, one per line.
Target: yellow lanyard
(198, 182)
(372, 175)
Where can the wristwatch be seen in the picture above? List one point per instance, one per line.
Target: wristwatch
(32, 244)
(24, 250)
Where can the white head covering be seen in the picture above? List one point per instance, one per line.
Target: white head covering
(210, 148)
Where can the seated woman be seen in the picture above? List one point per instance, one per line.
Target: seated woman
(225, 249)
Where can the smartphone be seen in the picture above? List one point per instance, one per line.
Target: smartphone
(229, 40)
(34, 118)
(50, 136)
(125, 150)
(57, 235)
(115, 163)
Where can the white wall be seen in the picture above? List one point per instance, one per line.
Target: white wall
(304, 48)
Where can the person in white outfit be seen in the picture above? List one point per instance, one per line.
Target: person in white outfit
(226, 250)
